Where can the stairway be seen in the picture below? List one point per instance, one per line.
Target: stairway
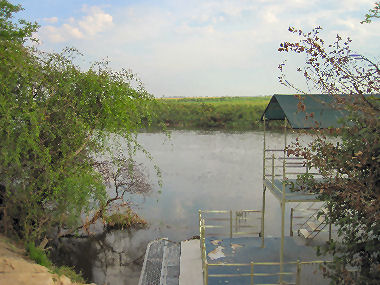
(314, 224)
(300, 213)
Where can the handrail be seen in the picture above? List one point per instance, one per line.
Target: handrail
(316, 213)
(238, 215)
(252, 265)
(286, 163)
(291, 194)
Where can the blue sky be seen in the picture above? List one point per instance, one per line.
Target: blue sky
(198, 47)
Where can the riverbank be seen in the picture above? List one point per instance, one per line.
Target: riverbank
(221, 113)
(17, 269)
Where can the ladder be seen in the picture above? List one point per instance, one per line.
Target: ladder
(314, 224)
(300, 213)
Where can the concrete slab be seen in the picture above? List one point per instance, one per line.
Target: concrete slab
(190, 263)
(244, 250)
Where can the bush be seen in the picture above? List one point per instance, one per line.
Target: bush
(53, 118)
(38, 255)
(126, 220)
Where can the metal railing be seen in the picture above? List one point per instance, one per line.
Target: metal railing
(239, 217)
(280, 168)
(284, 163)
(252, 266)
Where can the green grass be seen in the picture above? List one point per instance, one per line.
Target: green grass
(220, 100)
(223, 113)
(128, 219)
(39, 256)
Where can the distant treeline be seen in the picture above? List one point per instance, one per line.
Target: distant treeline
(225, 113)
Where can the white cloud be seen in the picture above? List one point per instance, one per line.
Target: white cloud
(51, 20)
(208, 47)
(71, 31)
(95, 21)
(270, 15)
(50, 33)
(92, 23)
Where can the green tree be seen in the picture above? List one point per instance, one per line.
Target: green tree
(350, 167)
(372, 13)
(55, 120)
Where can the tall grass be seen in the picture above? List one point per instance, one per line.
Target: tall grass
(40, 257)
(225, 113)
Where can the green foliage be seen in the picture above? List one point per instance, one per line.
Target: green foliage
(39, 256)
(372, 13)
(12, 31)
(70, 273)
(54, 119)
(351, 166)
(226, 113)
(124, 220)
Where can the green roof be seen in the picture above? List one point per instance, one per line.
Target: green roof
(321, 106)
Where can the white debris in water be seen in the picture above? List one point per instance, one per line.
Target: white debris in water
(216, 253)
(234, 246)
(216, 242)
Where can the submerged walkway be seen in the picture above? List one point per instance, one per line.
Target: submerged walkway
(241, 251)
(161, 263)
(172, 263)
(191, 263)
(169, 263)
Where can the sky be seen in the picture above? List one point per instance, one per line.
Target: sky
(198, 47)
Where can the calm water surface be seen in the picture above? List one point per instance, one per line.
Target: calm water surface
(212, 170)
(200, 170)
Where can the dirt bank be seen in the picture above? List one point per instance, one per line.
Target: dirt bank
(17, 269)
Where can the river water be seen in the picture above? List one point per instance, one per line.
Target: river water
(200, 170)
(204, 170)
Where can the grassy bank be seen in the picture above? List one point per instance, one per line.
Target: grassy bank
(225, 113)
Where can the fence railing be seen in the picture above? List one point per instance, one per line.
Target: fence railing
(236, 221)
(251, 270)
(284, 166)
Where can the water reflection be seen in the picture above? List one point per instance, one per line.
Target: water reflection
(200, 170)
(205, 171)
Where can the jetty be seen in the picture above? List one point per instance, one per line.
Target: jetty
(233, 248)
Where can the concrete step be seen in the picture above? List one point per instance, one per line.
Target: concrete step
(322, 219)
(312, 225)
(304, 232)
(325, 210)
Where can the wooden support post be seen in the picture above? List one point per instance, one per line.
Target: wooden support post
(264, 188)
(262, 232)
(206, 274)
(284, 162)
(285, 135)
(252, 273)
(264, 152)
(291, 222)
(329, 213)
(282, 224)
(230, 224)
(282, 239)
(273, 169)
(236, 221)
(298, 277)
(200, 225)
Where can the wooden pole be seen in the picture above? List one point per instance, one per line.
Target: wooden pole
(291, 222)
